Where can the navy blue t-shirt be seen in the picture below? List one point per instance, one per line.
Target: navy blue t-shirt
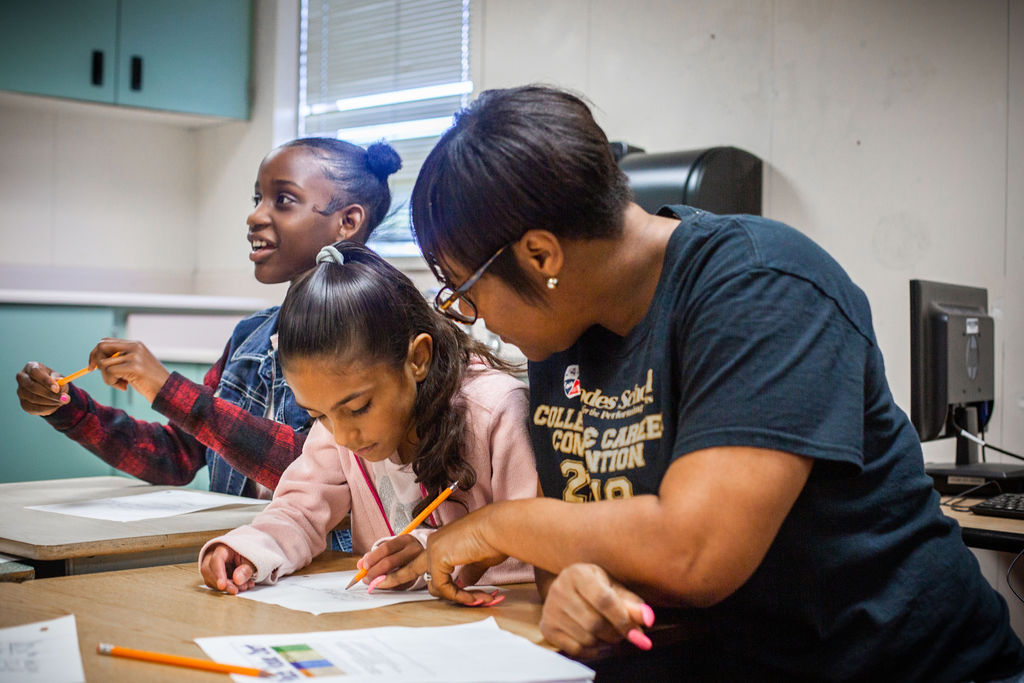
(757, 337)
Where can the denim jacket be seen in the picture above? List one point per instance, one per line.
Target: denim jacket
(253, 380)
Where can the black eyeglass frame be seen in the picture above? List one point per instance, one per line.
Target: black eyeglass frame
(448, 296)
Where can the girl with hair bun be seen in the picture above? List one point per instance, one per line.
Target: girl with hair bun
(241, 422)
(405, 404)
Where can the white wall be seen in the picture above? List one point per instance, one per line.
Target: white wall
(94, 198)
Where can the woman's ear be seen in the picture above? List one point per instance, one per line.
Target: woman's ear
(540, 253)
(351, 220)
(421, 353)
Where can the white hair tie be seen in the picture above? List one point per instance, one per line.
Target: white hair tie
(330, 253)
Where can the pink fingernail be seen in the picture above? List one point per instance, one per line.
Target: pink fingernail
(637, 637)
(648, 615)
(64, 398)
(493, 602)
(376, 582)
(478, 602)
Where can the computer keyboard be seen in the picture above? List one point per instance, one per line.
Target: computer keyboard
(1002, 505)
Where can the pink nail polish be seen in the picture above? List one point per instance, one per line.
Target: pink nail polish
(493, 602)
(477, 603)
(637, 637)
(648, 615)
(64, 398)
(376, 582)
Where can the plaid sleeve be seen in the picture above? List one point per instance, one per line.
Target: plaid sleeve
(153, 452)
(259, 448)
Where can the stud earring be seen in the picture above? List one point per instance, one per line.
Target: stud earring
(552, 282)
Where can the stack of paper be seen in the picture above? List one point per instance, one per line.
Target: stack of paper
(479, 652)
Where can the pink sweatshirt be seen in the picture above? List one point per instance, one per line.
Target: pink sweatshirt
(325, 484)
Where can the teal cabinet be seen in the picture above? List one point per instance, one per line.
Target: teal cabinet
(64, 49)
(60, 338)
(180, 55)
(185, 55)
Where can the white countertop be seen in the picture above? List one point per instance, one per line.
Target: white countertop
(134, 301)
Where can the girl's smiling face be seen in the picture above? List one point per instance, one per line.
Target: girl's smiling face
(285, 229)
(368, 407)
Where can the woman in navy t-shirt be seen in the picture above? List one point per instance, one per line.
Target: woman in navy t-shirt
(711, 388)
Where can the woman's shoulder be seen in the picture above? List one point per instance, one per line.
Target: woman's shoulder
(486, 388)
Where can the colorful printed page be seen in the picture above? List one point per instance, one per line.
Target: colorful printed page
(152, 505)
(478, 652)
(324, 593)
(46, 651)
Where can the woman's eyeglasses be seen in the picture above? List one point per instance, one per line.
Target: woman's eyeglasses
(446, 299)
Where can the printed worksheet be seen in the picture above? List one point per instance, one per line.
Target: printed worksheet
(324, 593)
(479, 652)
(147, 505)
(46, 651)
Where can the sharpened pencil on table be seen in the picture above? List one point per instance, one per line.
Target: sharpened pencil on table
(178, 660)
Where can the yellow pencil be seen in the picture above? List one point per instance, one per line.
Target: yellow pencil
(177, 660)
(412, 525)
(75, 375)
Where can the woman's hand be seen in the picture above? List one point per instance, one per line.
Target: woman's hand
(394, 564)
(462, 543)
(38, 391)
(134, 366)
(218, 562)
(586, 609)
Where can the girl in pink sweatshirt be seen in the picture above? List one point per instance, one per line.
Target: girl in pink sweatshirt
(405, 404)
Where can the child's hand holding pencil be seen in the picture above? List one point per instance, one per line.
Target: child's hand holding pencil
(40, 390)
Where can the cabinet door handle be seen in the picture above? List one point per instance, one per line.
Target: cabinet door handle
(97, 67)
(136, 72)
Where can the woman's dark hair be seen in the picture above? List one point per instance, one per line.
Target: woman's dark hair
(360, 176)
(368, 310)
(516, 159)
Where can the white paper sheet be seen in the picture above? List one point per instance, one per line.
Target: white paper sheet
(146, 505)
(324, 593)
(479, 652)
(46, 651)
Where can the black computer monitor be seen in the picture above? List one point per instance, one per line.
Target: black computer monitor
(952, 363)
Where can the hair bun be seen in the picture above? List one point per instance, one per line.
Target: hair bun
(382, 159)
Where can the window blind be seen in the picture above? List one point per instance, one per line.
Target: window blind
(384, 69)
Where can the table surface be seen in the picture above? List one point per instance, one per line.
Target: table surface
(164, 608)
(984, 531)
(40, 535)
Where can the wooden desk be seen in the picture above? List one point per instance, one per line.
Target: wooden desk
(164, 608)
(77, 545)
(991, 533)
